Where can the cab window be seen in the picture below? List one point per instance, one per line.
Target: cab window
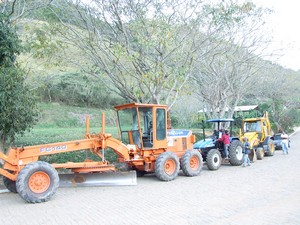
(160, 124)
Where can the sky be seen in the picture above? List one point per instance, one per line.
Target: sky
(285, 30)
(284, 24)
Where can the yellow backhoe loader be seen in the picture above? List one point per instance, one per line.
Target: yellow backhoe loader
(258, 131)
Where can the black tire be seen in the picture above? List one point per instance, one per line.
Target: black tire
(213, 159)
(271, 148)
(37, 182)
(10, 184)
(260, 153)
(236, 153)
(191, 163)
(167, 166)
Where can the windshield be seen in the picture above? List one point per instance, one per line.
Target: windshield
(127, 119)
(129, 124)
(252, 126)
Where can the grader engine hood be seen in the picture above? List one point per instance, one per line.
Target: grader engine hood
(179, 138)
(179, 133)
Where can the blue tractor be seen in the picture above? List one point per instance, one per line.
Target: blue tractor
(212, 150)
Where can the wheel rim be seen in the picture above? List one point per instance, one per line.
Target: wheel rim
(216, 159)
(239, 153)
(194, 163)
(39, 182)
(271, 147)
(170, 166)
(262, 152)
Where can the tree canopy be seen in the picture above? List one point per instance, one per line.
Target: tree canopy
(17, 103)
(209, 52)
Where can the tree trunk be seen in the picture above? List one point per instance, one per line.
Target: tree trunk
(2, 143)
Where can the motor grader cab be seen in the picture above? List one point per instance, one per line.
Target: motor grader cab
(147, 146)
(154, 147)
(259, 134)
(143, 125)
(212, 150)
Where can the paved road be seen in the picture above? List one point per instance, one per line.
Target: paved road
(268, 192)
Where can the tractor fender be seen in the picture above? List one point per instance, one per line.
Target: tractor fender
(233, 139)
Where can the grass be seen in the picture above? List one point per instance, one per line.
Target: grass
(59, 123)
(55, 134)
(64, 123)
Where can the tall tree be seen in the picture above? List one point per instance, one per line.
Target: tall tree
(144, 49)
(232, 60)
(16, 9)
(18, 109)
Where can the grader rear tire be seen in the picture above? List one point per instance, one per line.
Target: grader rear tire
(191, 163)
(167, 166)
(213, 159)
(37, 182)
(260, 153)
(236, 153)
(10, 184)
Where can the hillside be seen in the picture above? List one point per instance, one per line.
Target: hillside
(65, 64)
(63, 123)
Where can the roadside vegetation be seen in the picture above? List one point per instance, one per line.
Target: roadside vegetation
(76, 59)
(60, 123)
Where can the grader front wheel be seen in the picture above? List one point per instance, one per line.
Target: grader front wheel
(167, 166)
(37, 182)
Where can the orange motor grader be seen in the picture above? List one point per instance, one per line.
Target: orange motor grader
(147, 145)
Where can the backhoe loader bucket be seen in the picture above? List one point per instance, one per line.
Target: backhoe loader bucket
(98, 179)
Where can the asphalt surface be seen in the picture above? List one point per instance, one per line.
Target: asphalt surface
(267, 192)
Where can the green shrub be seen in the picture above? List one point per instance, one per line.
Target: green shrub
(77, 90)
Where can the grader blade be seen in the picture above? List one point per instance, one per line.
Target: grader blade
(98, 179)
